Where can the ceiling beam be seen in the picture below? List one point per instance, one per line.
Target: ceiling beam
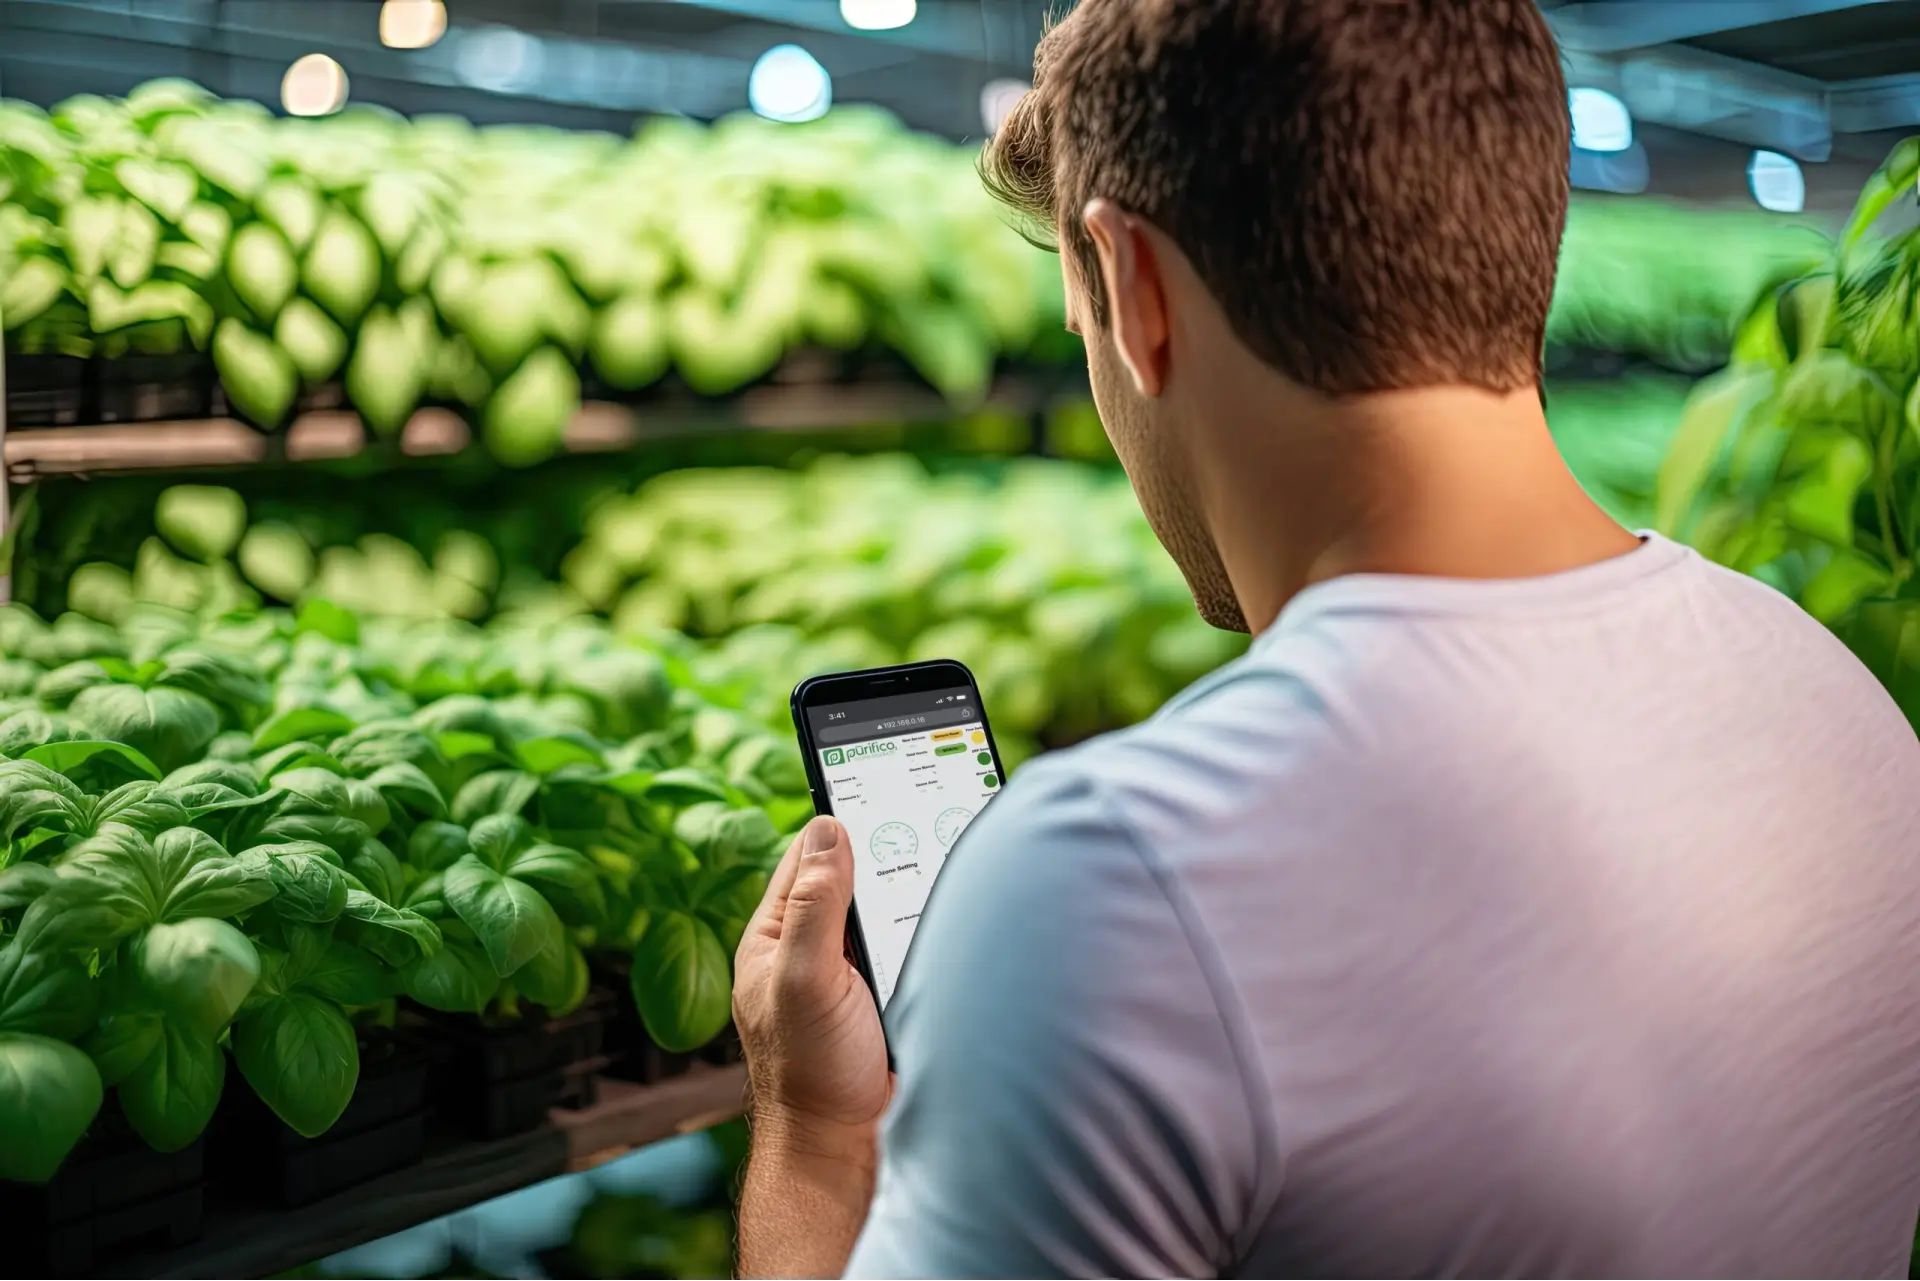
(1704, 93)
(995, 33)
(1879, 102)
(1616, 26)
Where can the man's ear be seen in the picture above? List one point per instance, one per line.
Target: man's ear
(1135, 291)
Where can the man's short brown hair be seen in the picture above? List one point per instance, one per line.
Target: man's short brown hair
(1373, 190)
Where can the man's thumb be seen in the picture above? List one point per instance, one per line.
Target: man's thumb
(816, 917)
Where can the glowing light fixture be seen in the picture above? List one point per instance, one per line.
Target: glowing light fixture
(412, 24)
(998, 99)
(1776, 182)
(1601, 121)
(789, 84)
(315, 85)
(878, 15)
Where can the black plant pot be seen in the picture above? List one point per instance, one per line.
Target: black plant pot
(114, 1195)
(384, 1128)
(492, 1080)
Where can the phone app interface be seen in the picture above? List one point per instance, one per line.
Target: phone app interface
(905, 774)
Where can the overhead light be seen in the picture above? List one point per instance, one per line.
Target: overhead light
(412, 24)
(1601, 121)
(878, 15)
(789, 84)
(315, 85)
(1777, 182)
(997, 101)
(500, 59)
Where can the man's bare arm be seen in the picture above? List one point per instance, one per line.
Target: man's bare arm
(804, 1199)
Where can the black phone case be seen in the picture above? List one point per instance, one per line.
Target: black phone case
(817, 785)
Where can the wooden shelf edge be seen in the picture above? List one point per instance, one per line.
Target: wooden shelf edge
(630, 1116)
(598, 426)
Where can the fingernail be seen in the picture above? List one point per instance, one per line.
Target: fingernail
(820, 836)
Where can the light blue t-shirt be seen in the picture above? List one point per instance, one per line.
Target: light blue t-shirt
(1567, 925)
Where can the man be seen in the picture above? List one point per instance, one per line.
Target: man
(1533, 898)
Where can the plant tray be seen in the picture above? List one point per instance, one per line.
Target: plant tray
(112, 1196)
(329, 1164)
(383, 1129)
(501, 1080)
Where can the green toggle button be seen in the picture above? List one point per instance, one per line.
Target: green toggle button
(948, 749)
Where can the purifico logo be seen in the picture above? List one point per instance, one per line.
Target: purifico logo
(841, 755)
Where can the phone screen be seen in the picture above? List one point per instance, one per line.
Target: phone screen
(905, 773)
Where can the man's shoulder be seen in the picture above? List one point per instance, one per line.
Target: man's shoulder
(1234, 735)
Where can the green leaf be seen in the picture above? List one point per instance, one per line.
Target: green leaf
(629, 689)
(308, 887)
(685, 786)
(316, 790)
(458, 979)
(502, 791)
(722, 836)
(378, 870)
(25, 730)
(399, 936)
(329, 620)
(292, 756)
(300, 723)
(69, 756)
(464, 714)
(220, 679)
(142, 806)
(497, 838)
(343, 836)
(170, 1096)
(545, 755)
(682, 981)
(169, 726)
(1718, 404)
(347, 975)
(300, 1056)
(1843, 582)
(460, 744)
(565, 878)
(49, 1095)
(556, 979)
(1885, 635)
(217, 887)
(44, 992)
(511, 920)
(196, 973)
(405, 785)
(63, 684)
(123, 1040)
(434, 846)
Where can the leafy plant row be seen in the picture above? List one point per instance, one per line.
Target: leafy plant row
(1040, 575)
(237, 838)
(485, 268)
(1800, 462)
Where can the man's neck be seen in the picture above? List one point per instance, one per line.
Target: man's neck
(1445, 482)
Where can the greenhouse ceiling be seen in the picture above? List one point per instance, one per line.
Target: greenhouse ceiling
(1813, 80)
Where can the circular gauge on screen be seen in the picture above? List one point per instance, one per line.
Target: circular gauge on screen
(950, 824)
(893, 841)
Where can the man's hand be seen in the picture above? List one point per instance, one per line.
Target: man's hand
(816, 1063)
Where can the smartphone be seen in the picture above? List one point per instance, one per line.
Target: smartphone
(904, 758)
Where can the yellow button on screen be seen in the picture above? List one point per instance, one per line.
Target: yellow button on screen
(979, 736)
(943, 735)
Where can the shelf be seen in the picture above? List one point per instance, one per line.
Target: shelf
(799, 399)
(257, 1242)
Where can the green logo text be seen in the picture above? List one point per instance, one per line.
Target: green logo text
(842, 755)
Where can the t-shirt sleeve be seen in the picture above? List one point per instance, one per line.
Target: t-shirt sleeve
(1070, 1099)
